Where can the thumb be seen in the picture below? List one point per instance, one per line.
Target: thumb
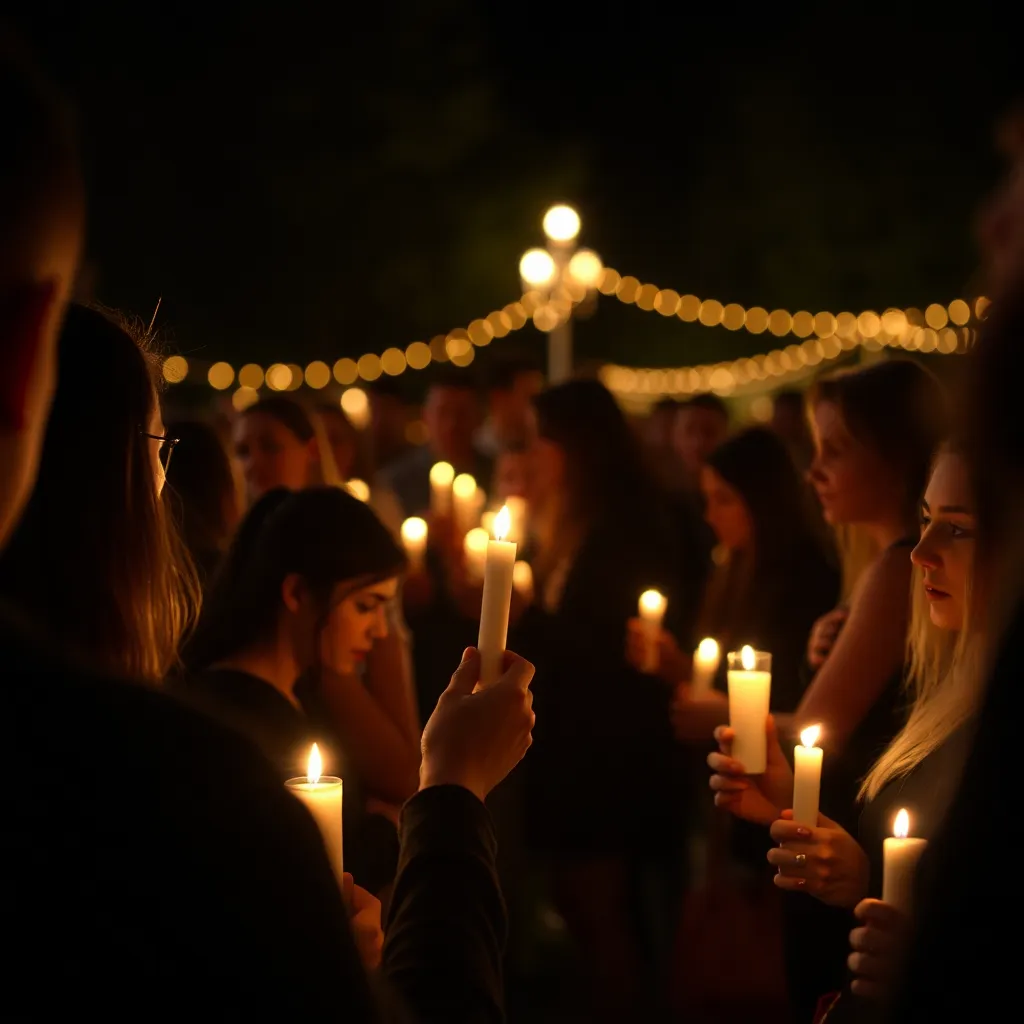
(467, 675)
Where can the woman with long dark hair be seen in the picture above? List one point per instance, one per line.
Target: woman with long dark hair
(96, 557)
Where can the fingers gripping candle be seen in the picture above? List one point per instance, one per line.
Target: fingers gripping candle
(652, 613)
(750, 685)
(499, 570)
(322, 795)
(900, 855)
(807, 757)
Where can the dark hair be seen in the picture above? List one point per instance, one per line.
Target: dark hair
(201, 488)
(665, 405)
(502, 371)
(95, 557)
(289, 414)
(708, 401)
(790, 399)
(606, 478)
(387, 386)
(322, 533)
(898, 409)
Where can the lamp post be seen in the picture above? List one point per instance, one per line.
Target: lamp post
(563, 275)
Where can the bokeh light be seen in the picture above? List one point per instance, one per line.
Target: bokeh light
(645, 297)
(346, 371)
(244, 397)
(439, 348)
(221, 376)
(586, 268)
(666, 302)
(757, 320)
(710, 312)
(689, 308)
(803, 324)
(561, 223)
(296, 382)
(251, 376)
(392, 361)
(936, 317)
(780, 322)
(733, 316)
(175, 369)
(537, 268)
(318, 374)
(369, 366)
(417, 355)
(628, 289)
(480, 333)
(959, 312)
(279, 377)
(356, 406)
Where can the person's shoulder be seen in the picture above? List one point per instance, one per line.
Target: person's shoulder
(884, 584)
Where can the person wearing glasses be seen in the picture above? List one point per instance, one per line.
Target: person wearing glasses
(96, 557)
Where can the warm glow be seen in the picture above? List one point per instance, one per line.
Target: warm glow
(318, 374)
(561, 223)
(315, 768)
(221, 376)
(414, 529)
(652, 601)
(464, 486)
(747, 658)
(279, 377)
(346, 371)
(175, 369)
(251, 376)
(442, 474)
(585, 267)
(901, 826)
(476, 541)
(359, 489)
(522, 577)
(809, 737)
(537, 268)
(502, 523)
(244, 397)
(707, 650)
(356, 406)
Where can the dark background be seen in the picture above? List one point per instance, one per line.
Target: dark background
(299, 181)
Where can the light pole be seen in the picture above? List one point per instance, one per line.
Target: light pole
(563, 275)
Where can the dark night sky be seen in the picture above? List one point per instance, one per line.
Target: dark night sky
(300, 183)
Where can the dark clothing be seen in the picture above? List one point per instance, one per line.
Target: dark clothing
(157, 868)
(409, 478)
(284, 733)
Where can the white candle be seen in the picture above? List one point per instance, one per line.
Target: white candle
(497, 599)
(807, 757)
(359, 489)
(441, 477)
(522, 580)
(474, 548)
(322, 796)
(414, 540)
(465, 509)
(517, 512)
(750, 685)
(900, 855)
(705, 665)
(652, 612)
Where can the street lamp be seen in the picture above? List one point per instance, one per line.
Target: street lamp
(563, 275)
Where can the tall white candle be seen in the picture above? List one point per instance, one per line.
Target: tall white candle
(322, 795)
(750, 686)
(414, 540)
(807, 757)
(652, 613)
(705, 665)
(441, 477)
(474, 549)
(522, 580)
(465, 509)
(497, 599)
(900, 855)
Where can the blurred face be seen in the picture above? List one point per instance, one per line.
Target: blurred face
(853, 482)
(726, 512)
(945, 552)
(451, 416)
(544, 465)
(789, 422)
(660, 426)
(343, 444)
(697, 433)
(353, 624)
(509, 408)
(271, 455)
(510, 472)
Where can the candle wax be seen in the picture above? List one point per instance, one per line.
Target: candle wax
(900, 857)
(494, 608)
(323, 799)
(749, 697)
(806, 784)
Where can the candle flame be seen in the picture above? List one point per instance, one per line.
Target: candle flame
(652, 601)
(809, 737)
(442, 474)
(315, 767)
(502, 523)
(414, 528)
(708, 649)
(464, 486)
(901, 826)
(359, 489)
(747, 658)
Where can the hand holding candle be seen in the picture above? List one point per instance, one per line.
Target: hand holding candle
(652, 613)
(807, 756)
(322, 795)
(750, 684)
(705, 666)
(497, 600)
(900, 855)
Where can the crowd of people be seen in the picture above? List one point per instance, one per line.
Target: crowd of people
(188, 606)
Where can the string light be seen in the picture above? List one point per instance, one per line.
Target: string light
(318, 375)
(175, 369)
(221, 376)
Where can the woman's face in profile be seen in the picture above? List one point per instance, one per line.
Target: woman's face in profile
(726, 512)
(270, 455)
(353, 624)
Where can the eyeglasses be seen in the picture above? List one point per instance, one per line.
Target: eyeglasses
(167, 446)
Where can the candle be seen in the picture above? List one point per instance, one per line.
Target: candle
(652, 612)
(705, 665)
(474, 548)
(414, 540)
(522, 580)
(359, 489)
(899, 862)
(517, 513)
(322, 796)
(464, 496)
(494, 609)
(441, 476)
(807, 777)
(750, 685)
(487, 521)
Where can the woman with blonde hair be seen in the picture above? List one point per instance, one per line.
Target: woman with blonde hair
(918, 771)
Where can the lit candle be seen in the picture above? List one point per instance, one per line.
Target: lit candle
(899, 862)
(517, 512)
(497, 599)
(652, 612)
(359, 489)
(441, 476)
(705, 665)
(414, 540)
(322, 796)
(464, 496)
(807, 777)
(474, 548)
(750, 685)
(522, 580)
